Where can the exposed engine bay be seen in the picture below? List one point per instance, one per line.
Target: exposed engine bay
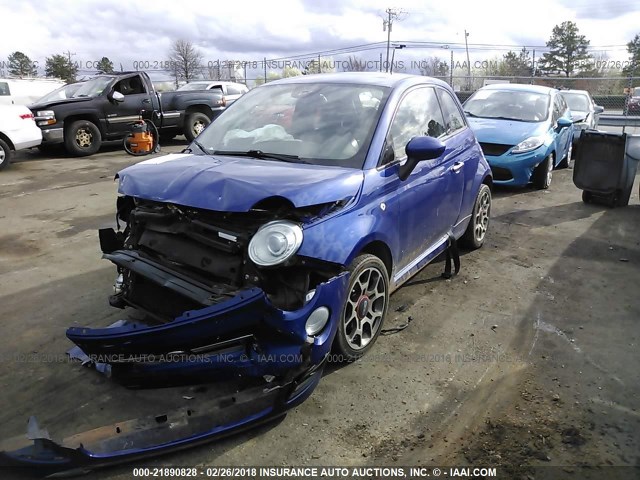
(211, 250)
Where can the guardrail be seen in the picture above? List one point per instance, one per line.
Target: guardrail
(619, 121)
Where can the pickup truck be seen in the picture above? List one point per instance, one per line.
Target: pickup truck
(104, 107)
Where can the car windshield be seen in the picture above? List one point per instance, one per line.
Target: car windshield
(508, 105)
(322, 124)
(578, 102)
(194, 86)
(62, 93)
(636, 92)
(93, 87)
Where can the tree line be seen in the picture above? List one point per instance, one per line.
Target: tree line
(567, 56)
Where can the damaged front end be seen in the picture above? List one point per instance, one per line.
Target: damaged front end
(204, 311)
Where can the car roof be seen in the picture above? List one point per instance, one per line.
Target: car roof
(391, 80)
(569, 90)
(520, 87)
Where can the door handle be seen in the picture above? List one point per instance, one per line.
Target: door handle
(146, 100)
(457, 166)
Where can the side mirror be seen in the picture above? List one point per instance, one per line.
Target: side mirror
(564, 122)
(598, 109)
(117, 97)
(417, 150)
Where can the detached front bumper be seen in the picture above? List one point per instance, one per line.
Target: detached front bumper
(244, 339)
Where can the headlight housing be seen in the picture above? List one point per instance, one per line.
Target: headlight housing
(529, 144)
(275, 242)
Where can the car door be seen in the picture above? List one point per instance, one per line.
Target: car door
(430, 197)
(120, 115)
(565, 135)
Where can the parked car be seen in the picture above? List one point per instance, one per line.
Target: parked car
(104, 107)
(525, 131)
(231, 90)
(584, 112)
(633, 105)
(262, 247)
(24, 91)
(17, 132)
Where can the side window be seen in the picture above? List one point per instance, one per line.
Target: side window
(234, 90)
(130, 86)
(557, 111)
(4, 89)
(452, 118)
(418, 115)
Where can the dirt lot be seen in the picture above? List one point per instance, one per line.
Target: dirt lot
(528, 358)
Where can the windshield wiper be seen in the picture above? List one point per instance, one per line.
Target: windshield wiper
(261, 155)
(469, 114)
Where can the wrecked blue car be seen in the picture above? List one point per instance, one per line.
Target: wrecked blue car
(274, 239)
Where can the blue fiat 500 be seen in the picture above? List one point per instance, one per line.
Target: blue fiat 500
(275, 237)
(525, 131)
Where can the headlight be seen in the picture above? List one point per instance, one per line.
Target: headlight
(529, 144)
(46, 113)
(274, 243)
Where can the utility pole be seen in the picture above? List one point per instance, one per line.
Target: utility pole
(387, 25)
(466, 46)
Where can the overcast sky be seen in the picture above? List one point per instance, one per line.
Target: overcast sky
(130, 31)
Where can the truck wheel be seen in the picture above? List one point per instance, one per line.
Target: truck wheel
(5, 155)
(194, 124)
(82, 138)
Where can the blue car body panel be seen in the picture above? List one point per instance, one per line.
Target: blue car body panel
(227, 184)
(411, 221)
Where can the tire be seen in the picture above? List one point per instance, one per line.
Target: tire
(476, 231)
(5, 155)
(587, 197)
(543, 173)
(362, 317)
(564, 163)
(82, 138)
(194, 124)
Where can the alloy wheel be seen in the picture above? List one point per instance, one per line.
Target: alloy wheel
(365, 308)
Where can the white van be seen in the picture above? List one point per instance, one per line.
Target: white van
(25, 91)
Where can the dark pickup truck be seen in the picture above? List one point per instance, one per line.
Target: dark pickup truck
(104, 107)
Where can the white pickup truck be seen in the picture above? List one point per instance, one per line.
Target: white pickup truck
(18, 131)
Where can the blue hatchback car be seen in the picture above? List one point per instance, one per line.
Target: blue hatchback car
(525, 131)
(275, 237)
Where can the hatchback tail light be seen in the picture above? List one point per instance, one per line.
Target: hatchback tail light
(26, 116)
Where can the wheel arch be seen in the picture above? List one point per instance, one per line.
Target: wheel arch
(8, 141)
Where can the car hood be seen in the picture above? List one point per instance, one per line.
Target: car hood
(507, 132)
(235, 184)
(47, 105)
(578, 115)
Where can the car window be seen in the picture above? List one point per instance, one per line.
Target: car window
(318, 123)
(557, 109)
(577, 101)
(130, 86)
(234, 90)
(452, 117)
(417, 115)
(521, 106)
(4, 89)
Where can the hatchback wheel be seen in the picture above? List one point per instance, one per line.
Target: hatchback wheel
(565, 161)
(364, 309)
(473, 237)
(543, 173)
